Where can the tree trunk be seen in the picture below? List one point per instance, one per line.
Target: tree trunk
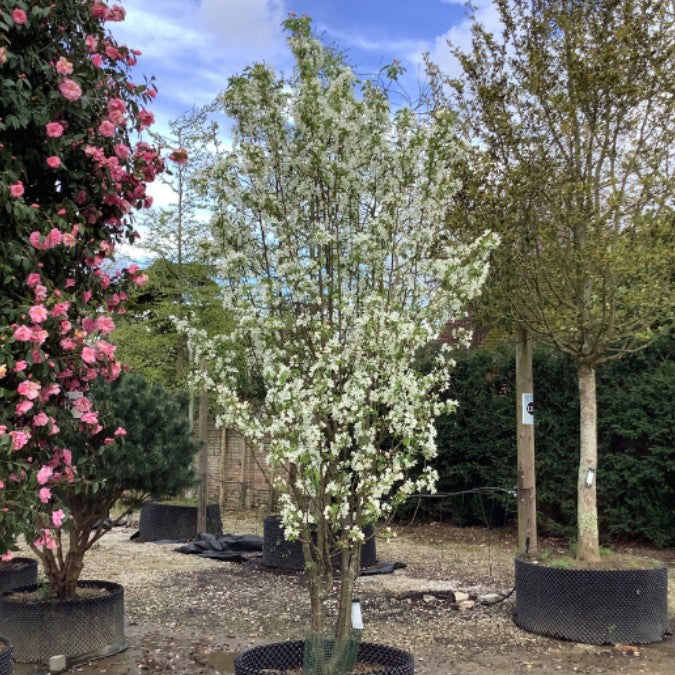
(527, 496)
(588, 548)
(203, 460)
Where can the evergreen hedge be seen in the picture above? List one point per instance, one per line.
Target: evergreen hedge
(636, 470)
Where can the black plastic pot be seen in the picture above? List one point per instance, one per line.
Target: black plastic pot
(592, 606)
(17, 572)
(5, 656)
(179, 523)
(278, 552)
(86, 627)
(288, 655)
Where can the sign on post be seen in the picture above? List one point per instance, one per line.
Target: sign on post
(528, 409)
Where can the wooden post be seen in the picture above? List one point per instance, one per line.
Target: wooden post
(203, 459)
(527, 496)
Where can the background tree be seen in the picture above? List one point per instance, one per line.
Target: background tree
(143, 451)
(337, 269)
(571, 111)
(179, 232)
(71, 174)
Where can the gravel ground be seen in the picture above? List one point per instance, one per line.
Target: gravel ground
(186, 614)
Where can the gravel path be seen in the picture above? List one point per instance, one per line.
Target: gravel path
(187, 614)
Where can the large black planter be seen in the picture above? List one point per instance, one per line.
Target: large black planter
(86, 627)
(592, 606)
(18, 572)
(5, 656)
(278, 552)
(179, 523)
(288, 655)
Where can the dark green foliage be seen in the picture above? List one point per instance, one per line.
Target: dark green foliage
(477, 445)
(155, 458)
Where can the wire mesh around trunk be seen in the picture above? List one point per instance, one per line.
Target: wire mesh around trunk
(275, 658)
(592, 606)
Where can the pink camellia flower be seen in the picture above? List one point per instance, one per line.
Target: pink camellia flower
(53, 238)
(38, 313)
(38, 337)
(108, 441)
(122, 151)
(140, 279)
(19, 439)
(106, 128)
(45, 494)
(88, 355)
(120, 431)
(20, 365)
(145, 119)
(7, 556)
(67, 456)
(36, 241)
(106, 349)
(23, 407)
(70, 90)
(32, 280)
(60, 309)
(63, 66)
(54, 129)
(67, 344)
(91, 42)
(29, 389)
(180, 156)
(40, 293)
(57, 518)
(90, 417)
(83, 404)
(53, 162)
(69, 283)
(16, 190)
(105, 325)
(97, 60)
(19, 17)
(40, 420)
(112, 52)
(116, 109)
(44, 474)
(23, 334)
(46, 541)
(68, 240)
(66, 327)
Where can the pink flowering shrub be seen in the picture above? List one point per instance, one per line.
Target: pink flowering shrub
(72, 172)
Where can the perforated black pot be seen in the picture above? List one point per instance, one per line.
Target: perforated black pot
(17, 572)
(5, 656)
(288, 655)
(278, 552)
(167, 521)
(86, 627)
(592, 606)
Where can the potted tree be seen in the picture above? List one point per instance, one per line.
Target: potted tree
(574, 169)
(151, 458)
(71, 174)
(337, 272)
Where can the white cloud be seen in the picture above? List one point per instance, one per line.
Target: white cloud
(252, 24)
(460, 36)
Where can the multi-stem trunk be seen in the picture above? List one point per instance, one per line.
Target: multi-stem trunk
(588, 548)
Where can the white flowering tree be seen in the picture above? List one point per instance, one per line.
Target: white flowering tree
(331, 227)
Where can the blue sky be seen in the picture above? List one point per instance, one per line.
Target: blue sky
(193, 46)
